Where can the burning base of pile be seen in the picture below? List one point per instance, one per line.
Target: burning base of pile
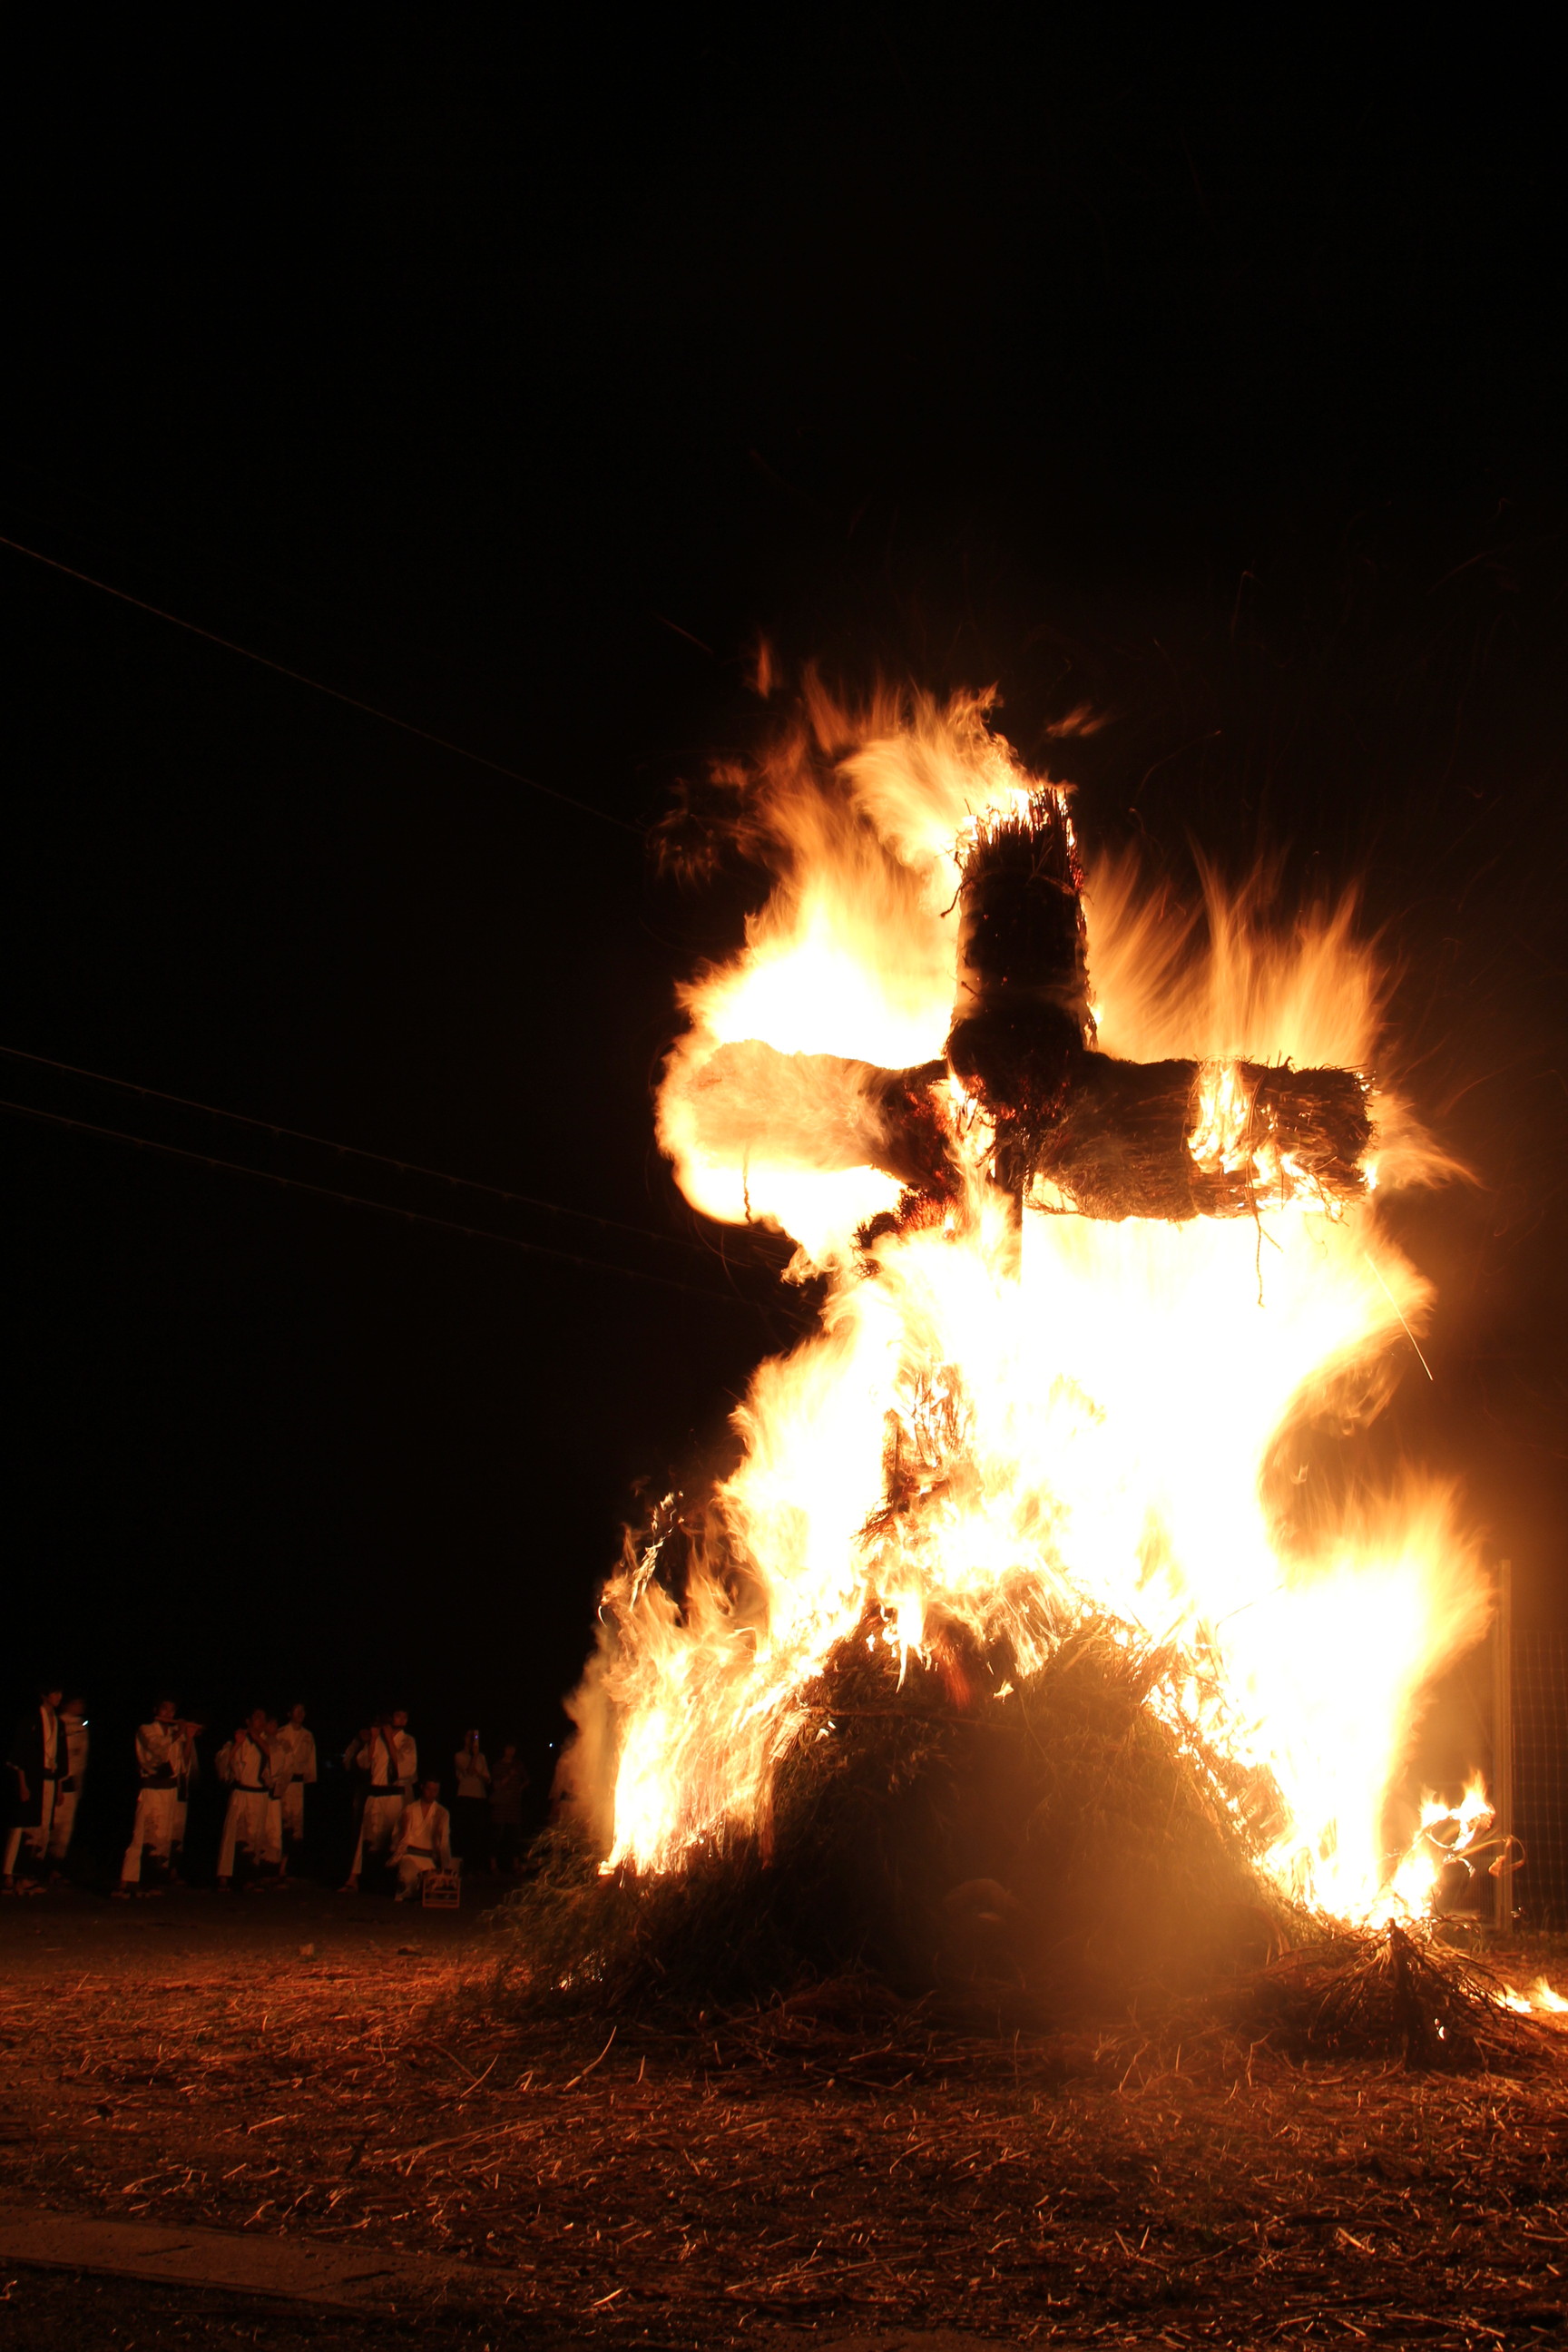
(1044, 1853)
(1051, 1863)
(1038, 1849)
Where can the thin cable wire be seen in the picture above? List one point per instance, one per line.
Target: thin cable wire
(357, 1151)
(358, 1201)
(388, 718)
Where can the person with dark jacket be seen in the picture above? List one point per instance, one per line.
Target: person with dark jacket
(471, 1813)
(35, 1767)
(509, 1780)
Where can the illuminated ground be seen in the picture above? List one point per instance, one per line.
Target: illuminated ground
(190, 2061)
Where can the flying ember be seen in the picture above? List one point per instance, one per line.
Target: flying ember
(1090, 1194)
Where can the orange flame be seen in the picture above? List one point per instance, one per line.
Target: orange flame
(1089, 1406)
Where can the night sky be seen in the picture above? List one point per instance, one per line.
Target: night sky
(512, 380)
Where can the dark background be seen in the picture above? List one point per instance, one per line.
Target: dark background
(512, 378)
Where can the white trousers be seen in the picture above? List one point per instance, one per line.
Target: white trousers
(251, 1823)
(382, 1811)
(411, 1869)
(294, 1811)
(154, 1827)
(63, 1823)
(36, 1839)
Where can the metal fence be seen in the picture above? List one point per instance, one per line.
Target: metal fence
(1540, 1681)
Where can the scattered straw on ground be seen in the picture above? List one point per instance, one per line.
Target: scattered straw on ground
(831, 2162)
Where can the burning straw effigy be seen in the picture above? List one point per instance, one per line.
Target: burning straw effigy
(1041, 1655)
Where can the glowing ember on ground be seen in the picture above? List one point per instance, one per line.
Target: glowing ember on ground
(1092, 1414)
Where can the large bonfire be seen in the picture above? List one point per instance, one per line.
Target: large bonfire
(1024, 1578)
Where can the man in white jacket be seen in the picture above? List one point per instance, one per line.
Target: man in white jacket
(424, 1840)
(162, 1756)
(36, 1764)
(248, 1764)
(67, 1792)
(381, 1753)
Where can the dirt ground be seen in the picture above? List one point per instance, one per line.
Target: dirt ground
(308, 2062)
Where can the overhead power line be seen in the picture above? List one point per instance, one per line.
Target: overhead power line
(359, 1201)
(318, 685)
(356, 1151)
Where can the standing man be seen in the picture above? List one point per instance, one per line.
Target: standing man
(189, 1771)
(407, 1754)
(247, 1764)
(276, 1784)
(357, 1755)
(509, 1784)
(35, 1767)
(67, 1792)
(356, 1764)
(380, 1757)
(424, 1840)
(298, 1745)
(473, 1805)
(161, 1757)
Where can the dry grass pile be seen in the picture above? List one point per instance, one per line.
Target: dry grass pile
(1395, 1993)
(1025, 1850)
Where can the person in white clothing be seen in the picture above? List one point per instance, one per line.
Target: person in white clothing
(357, 1754)
(248, 1763)
(379, 1754)
(298, 1744)
(424, 1840)
(68, 1791)
(35, 1766)
(162, 1756)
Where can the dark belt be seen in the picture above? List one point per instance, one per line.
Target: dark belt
(244, 1788)
(426, 1853)
(376, 1790)
(297, 1781)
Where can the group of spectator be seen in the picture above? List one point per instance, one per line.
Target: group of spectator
(268, 1766)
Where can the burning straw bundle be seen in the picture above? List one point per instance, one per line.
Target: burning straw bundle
(1390, 1993)
(1035, 1848)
